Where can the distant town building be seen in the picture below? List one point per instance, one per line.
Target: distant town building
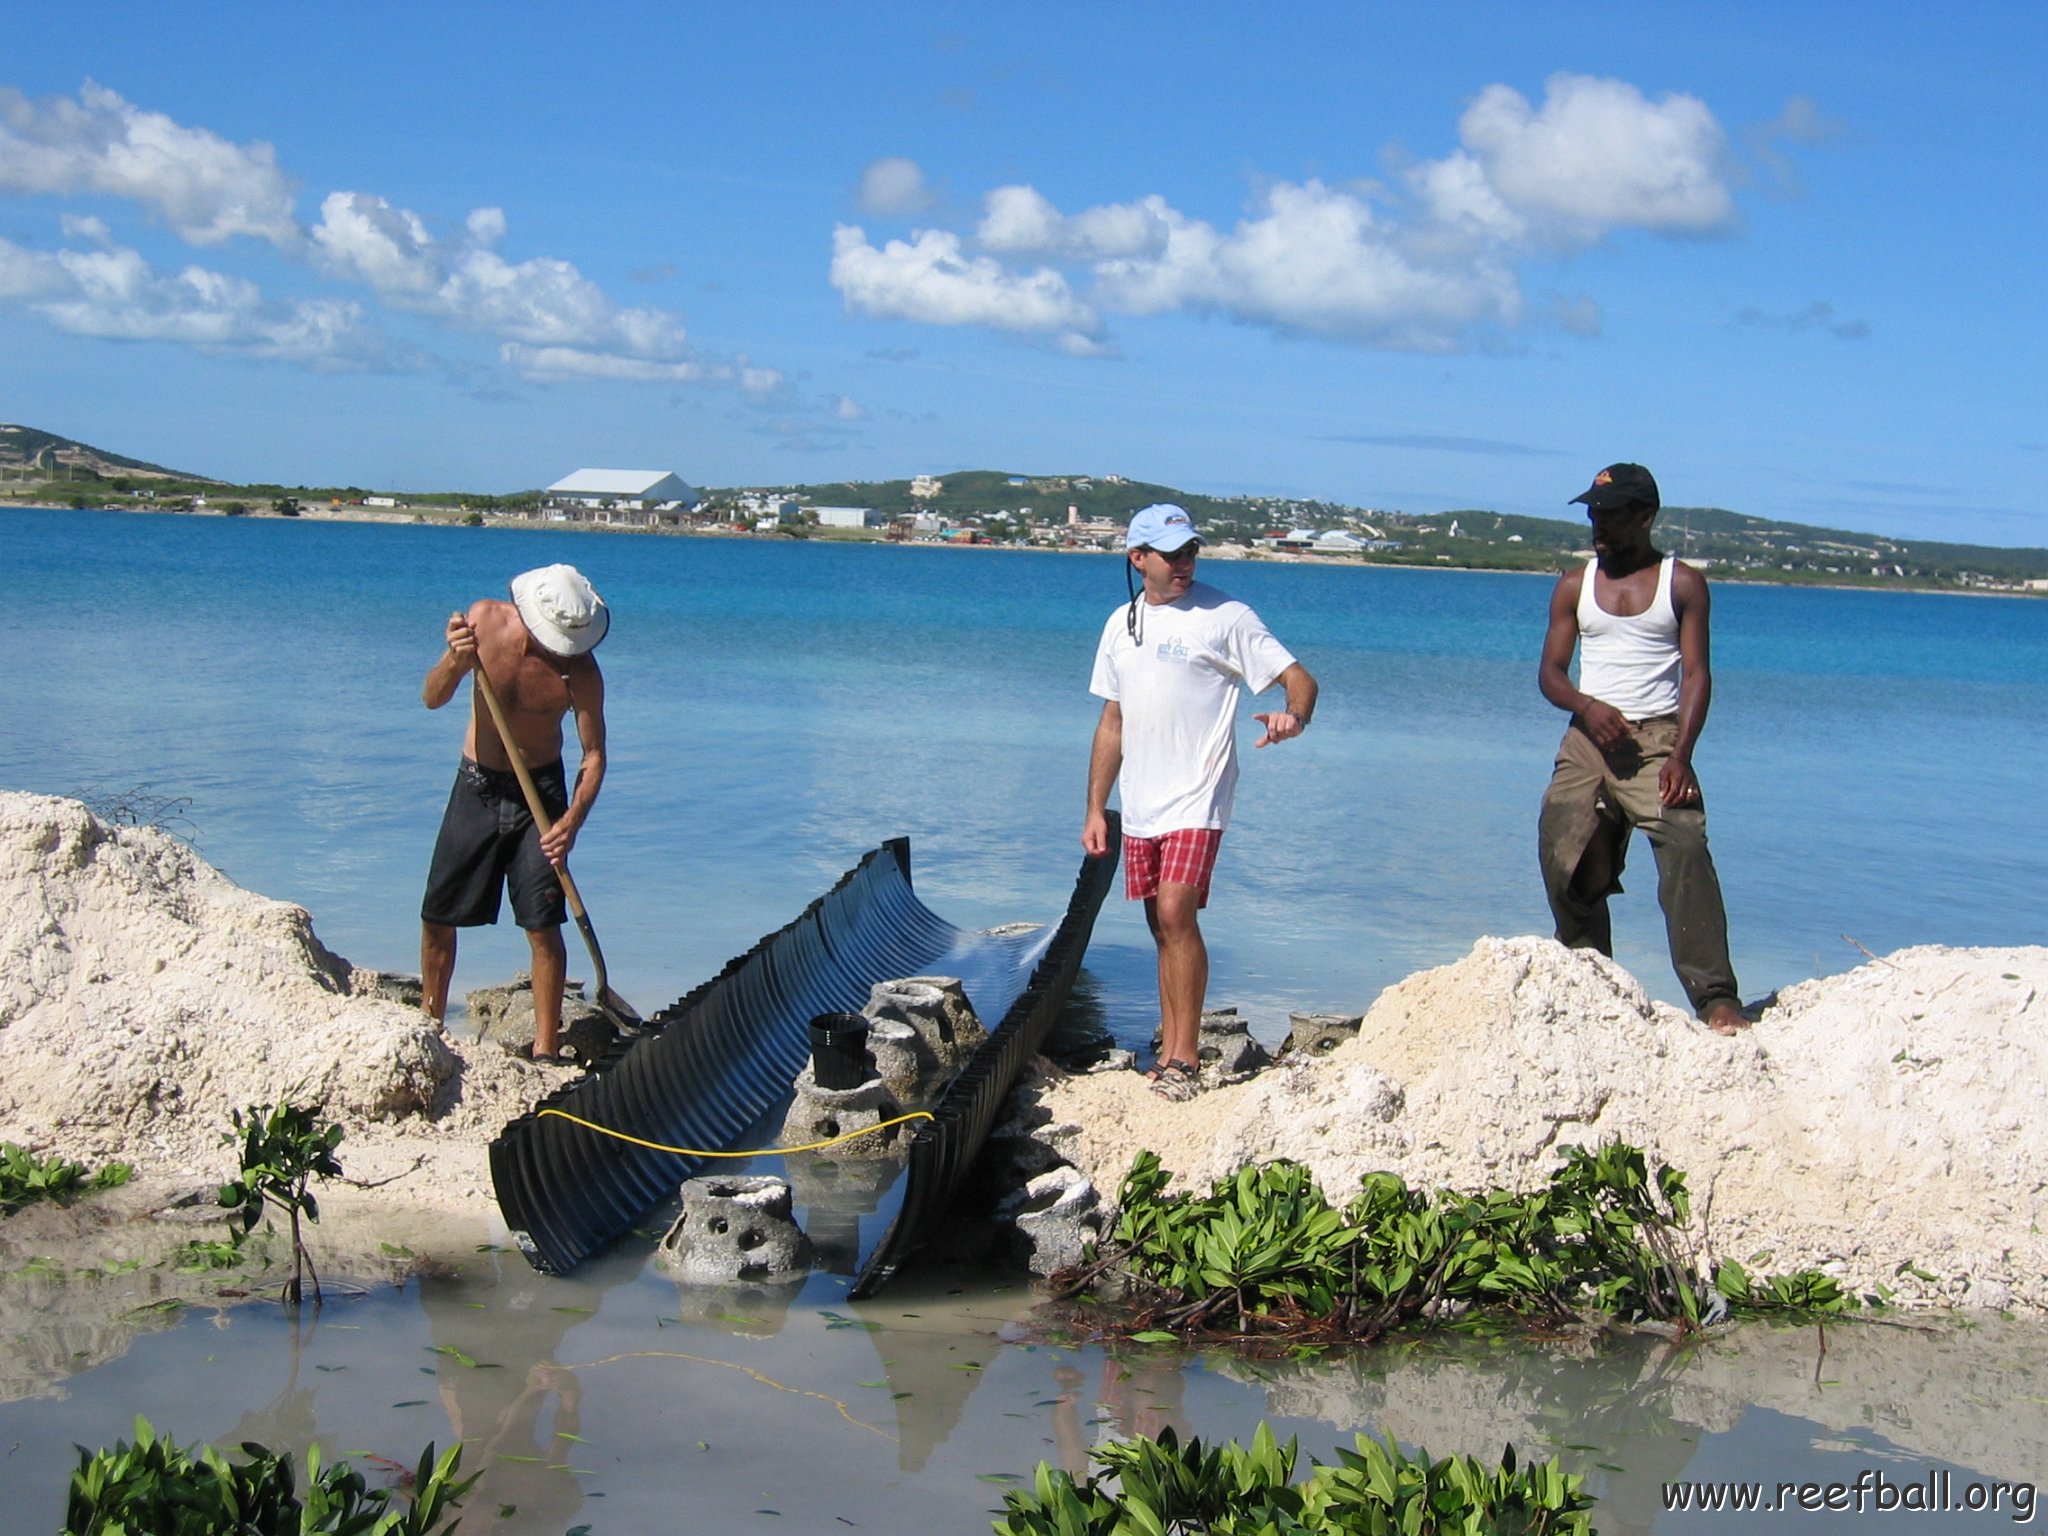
(926, 486)
(848, 517)
(1340, 541)
(767, 504)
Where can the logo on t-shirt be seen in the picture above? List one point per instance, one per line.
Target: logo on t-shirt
(1175, 649)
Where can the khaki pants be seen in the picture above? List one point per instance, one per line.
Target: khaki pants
(1593, 802)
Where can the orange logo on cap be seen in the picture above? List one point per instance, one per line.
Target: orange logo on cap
(1603, 478)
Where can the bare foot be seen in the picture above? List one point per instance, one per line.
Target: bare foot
(1726, 1019)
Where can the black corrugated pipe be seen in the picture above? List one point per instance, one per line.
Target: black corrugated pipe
(718, 1059)
(945, 1147)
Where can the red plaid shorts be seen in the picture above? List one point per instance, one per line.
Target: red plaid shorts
(1183, 857)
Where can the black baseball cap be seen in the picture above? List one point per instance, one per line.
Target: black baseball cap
(1621, 486)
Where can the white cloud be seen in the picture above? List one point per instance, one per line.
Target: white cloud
(114, 294)
(560, 364)
(848, 409)
(362, 238)
(1020, 221)
(557, 363)
(1598, 156)
(1431, 264)
(894, 187)
(929, 279)
(1314, 260)
(204, 187)
(26, 275)
(85, 228)
(554, 320)
(542, 302)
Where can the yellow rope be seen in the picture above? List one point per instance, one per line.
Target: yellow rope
(655, 1146)
(845, 1412)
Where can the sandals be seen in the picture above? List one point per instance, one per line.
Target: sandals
(1175, 1081)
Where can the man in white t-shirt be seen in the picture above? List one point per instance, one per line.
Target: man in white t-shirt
(1169, 670)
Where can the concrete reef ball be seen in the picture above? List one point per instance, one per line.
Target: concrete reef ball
(735, 1229)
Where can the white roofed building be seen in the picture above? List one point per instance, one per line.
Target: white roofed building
(636, 496)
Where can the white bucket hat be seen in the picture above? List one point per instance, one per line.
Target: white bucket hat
(561, 609)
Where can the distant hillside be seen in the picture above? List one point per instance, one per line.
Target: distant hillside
(28, 450)
(1723, 542)
(1003, 507)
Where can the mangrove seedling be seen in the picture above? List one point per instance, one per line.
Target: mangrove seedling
(1265, 1253)
(158, 1485)
(284, 1147)
(26, 1178)
(1161, 1486)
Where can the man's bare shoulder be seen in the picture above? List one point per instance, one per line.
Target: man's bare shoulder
(1687, 583)
(492, 613)
(1568, 585)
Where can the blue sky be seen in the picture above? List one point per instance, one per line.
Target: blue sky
(1413, 257)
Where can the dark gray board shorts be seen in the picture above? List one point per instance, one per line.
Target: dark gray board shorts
(488, 843)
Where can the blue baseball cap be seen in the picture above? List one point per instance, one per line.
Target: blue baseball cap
(1161, 526)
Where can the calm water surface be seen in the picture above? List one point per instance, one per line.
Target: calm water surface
(1871, 767)
(1871, 762)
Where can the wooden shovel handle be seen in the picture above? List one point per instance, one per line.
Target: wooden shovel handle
(526, 785)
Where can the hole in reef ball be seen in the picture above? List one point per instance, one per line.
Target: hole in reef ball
(717, 1225)
(751, 1238)
(828, 1128)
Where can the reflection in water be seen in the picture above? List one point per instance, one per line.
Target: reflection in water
(835, 1194)
(595, 1399)
(752, 1309)
(1139, 1393)
(516, 1408)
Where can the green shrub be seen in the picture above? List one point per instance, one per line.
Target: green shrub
(1164, 1487)
(1264, 1252)
(157, 1488)
(26, 1178)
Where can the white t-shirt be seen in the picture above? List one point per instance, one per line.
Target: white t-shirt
(1177, 685)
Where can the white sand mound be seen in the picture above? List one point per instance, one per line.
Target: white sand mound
(1871, 1124)
(144, 997)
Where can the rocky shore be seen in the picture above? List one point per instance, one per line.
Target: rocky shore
(1875, 1124)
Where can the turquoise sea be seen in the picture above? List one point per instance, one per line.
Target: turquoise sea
(1872, 766)
(1872, 763)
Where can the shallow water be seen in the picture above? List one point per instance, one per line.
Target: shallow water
(778, 709)
(615, 1400)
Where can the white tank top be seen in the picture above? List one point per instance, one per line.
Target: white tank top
(1630, 663)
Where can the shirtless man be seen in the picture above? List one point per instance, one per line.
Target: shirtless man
(1639, 620)
(536, 650)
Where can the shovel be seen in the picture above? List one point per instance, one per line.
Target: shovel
(622, 1014)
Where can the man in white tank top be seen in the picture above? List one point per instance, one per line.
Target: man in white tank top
(1638, 620)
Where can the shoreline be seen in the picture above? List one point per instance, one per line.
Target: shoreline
(1244, 554)
(1866, 1125)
